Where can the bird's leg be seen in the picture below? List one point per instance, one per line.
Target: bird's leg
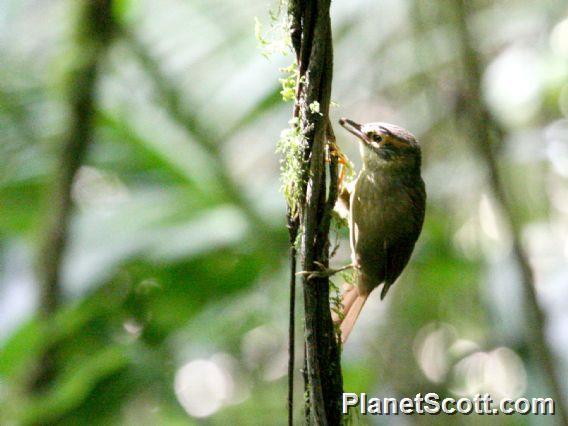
(324, 272)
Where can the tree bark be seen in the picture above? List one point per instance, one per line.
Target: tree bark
(312, 41)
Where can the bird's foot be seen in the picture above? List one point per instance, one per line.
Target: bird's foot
(335, 151)
(343, 161)
(324, 271)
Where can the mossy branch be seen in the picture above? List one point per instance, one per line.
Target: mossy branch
(310, 201)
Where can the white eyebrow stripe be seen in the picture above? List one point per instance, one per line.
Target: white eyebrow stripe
(386, 130)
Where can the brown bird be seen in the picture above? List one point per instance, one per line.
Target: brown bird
(386, 212)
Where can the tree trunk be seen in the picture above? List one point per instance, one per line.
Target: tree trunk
(311, 38)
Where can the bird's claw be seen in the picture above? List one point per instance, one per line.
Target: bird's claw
(325, 272)
(315, 274)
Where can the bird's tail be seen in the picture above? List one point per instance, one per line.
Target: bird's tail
(352, 302)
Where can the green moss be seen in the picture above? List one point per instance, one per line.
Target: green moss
(289, 82)
(291, 145)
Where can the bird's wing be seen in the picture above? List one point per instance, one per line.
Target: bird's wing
(398, 252)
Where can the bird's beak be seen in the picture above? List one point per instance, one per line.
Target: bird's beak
(354, 128)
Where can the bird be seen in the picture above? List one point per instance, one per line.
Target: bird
(386, 208)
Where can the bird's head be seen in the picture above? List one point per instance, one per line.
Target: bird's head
(385, 144)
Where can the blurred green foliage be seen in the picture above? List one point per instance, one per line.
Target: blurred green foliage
(178, 245)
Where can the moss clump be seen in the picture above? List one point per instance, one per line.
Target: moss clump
(292, 145)
(289, 82)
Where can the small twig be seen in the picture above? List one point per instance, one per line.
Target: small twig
(293, 233)
(295, 13)
(296, 10)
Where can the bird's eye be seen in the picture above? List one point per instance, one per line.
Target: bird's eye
(375, 137)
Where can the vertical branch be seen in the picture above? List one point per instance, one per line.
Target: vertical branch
(293, 233)
(484, 133)
(311, 38)
(295, 13)
(95, 31)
